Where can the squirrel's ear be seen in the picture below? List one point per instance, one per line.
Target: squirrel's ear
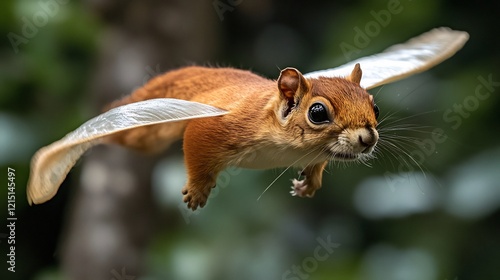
(292, 85)
(356, 74)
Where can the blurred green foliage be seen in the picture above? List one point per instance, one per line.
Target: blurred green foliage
(393, 219)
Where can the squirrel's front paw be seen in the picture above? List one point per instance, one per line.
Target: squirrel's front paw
(302, 189)
(194, 197)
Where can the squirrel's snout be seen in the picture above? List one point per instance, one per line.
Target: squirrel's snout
(365, 141)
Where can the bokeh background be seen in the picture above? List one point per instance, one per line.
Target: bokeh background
(426, 210)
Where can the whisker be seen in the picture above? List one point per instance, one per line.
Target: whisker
(284, 171)
(393, 148)
(390, 114)
(399, 144)
(396, 120)
(378, 91)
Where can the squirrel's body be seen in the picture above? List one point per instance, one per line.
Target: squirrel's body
(252, 122)
(268, 125)
(205, 85)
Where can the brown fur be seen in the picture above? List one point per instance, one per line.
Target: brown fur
(267, 126)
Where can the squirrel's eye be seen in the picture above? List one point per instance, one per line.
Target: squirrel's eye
(376, 110)
(318, 114)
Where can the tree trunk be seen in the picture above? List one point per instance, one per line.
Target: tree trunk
(113, 215)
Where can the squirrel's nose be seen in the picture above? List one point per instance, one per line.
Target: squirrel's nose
(367, 138)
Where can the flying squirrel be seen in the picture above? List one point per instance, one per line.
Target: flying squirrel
(231, 117)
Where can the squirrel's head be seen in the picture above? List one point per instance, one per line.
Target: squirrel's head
(336, 116)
